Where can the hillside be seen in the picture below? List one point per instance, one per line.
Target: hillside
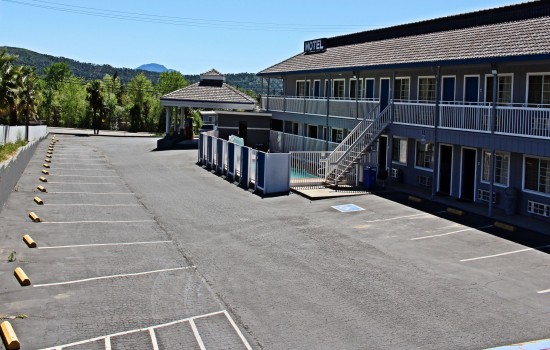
(91, 71)
(154, 67)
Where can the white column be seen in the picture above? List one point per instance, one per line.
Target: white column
(167, 122)
(182, 125)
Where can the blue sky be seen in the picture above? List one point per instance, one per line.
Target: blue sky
(195, 36)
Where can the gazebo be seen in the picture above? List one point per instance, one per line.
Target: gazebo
(211, 92)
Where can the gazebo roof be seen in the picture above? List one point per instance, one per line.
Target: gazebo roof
(210, 92)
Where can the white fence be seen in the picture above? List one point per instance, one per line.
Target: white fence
(280, 142)
(266, 173)
(11, 134)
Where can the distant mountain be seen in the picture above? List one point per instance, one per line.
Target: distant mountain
(154, 67)
(90, 71)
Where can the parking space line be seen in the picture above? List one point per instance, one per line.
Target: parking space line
(153, 338)
(108, 337)
(544, 291)
(197, 335)
(102, 244)
(78, 175)
(400, 217)
(97, 222)
(58, 163)
(74, 169)
(507, 253)
(91, 205)
(243, 339)
(450, 233)
(111, 276)
(83, 183)
(91, 193)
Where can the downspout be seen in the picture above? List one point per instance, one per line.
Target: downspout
(436, 124)
(356, 94)
(268, 91)
(390, 133)
(493, 155)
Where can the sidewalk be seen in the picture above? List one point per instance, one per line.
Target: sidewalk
(90, 132)
(530, 223)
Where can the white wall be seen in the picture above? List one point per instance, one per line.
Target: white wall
(10, 134)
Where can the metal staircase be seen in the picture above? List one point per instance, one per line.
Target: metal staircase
(355, 145)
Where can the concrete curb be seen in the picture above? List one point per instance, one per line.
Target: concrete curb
(11, 170)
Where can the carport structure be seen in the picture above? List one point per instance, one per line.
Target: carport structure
(211, 92)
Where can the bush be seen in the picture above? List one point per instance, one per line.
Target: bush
(9, 149)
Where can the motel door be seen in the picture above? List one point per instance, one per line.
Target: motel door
(471, 89)
(448, 93)
(445, 169)
(384, 93)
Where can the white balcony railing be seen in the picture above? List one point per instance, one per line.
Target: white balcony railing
(318, 106)
(516, 120)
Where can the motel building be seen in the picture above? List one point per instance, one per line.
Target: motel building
(456, 106)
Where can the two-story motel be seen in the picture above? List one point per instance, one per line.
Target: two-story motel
(458, 105)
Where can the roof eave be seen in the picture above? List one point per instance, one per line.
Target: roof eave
(452, 62)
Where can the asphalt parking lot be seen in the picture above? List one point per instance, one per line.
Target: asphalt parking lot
(146, 250)
(104, 274)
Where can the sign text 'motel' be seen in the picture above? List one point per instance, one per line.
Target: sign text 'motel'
(317, 45)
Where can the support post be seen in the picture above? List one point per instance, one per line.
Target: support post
(436, 125)
(167, 122)
(494, 71)
(390, 133)
(327, 93)
(268, 91)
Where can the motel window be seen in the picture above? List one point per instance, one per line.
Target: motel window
(537, 174)
(302, 88)
(502, 162)
(353, 88)
(426, 89)
(338, 88)
(337, 135)
(399, 153)
(538, 93)
(504, 92)
(424, 155)
(402, 89)
(369, 89)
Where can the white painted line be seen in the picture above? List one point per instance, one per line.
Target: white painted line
(197, 335)
(450, 233)
(97, 222)
(91, 193)
(92, 205)
(111, 276)
(153, 338)
(103, 244)
(57, 163)
(83, 183)
(544, 291)
(107, 343)
(78, 175)
(399, 217)
(237, 330)
(134, 331)
(507, 253)
(84, 169)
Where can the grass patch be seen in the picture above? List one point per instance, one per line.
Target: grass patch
(9, 149)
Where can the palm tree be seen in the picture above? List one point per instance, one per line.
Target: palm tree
(27, 97)
(95, 99)
(9, 87)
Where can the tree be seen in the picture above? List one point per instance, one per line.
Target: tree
(9, 86)
(95, 99)
(171, 81)
(56, 74)
(27, 99)
(71, 99)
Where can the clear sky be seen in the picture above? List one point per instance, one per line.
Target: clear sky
(195, 36)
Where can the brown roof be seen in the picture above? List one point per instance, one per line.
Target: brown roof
(502, 40)
(210, 91)
(213, 72)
